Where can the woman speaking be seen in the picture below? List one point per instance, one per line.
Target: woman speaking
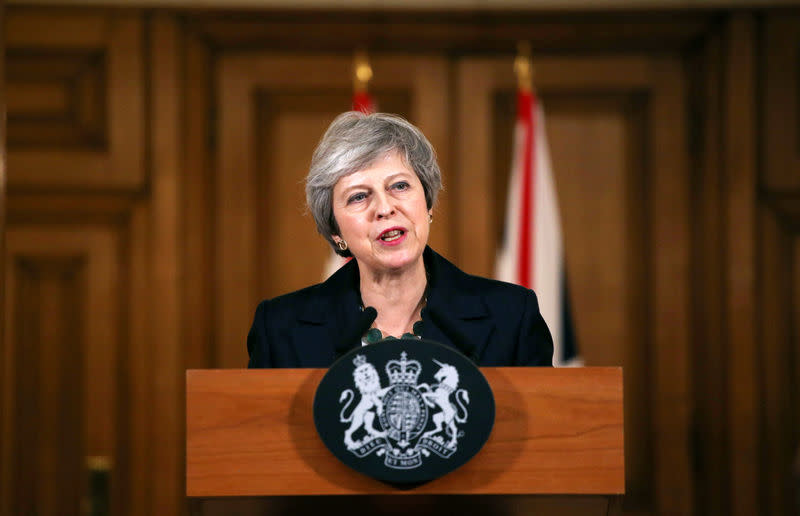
(371, 189)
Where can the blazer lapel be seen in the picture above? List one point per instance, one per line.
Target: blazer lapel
(326, 317)
(465, 309)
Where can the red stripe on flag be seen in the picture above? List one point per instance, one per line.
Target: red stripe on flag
(362, 101)
(525, 108)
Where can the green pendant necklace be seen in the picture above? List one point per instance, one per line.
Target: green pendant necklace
(374, 334)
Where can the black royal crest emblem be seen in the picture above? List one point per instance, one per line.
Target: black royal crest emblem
(404, 411)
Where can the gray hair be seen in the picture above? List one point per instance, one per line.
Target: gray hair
(353, 142)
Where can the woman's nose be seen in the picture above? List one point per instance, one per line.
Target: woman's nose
(383, 207)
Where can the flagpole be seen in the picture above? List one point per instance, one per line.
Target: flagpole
(523, 66)
(362, 75)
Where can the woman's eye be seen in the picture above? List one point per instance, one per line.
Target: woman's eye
(357, 197)
(402, 185)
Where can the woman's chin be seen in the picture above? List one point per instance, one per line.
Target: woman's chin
(395, 262)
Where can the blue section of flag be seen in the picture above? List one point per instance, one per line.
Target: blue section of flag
(569, 341)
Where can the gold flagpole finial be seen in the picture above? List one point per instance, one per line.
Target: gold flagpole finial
(523, 66)
(362, 71)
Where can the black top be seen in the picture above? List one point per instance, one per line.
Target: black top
(498, 323)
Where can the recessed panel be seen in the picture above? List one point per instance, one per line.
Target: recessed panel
(76, 104)
(56, 99)
(63, 329)
(48, 435)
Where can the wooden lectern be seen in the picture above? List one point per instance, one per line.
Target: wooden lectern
(556, 448)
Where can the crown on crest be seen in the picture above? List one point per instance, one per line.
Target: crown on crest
(359, 360)
(403, 370)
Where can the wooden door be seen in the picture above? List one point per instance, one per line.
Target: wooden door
(74, 391)
(63, 320)
(617, 142)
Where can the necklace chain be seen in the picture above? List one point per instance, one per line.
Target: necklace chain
(374, 335)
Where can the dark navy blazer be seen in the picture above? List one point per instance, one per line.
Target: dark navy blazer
(500, 321)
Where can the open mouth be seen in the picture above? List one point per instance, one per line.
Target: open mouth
(392, 235)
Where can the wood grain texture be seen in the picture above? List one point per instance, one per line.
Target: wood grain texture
(140, 350)
(197, 195)
(792, 414)
(557, 431)
(780, 135)
(60, 329)
(49, 304)
(740, 274)
(472, 181)
(778, 261)
(78, 88)
(418, 505)
(5, 363)
(57, 98)
(779, 400)
(668, 191)
(708, 448)
(452, 31)
(56, 28)
(166, 428)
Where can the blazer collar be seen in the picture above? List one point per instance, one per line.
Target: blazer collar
(334, 309)
(448, 289)
(337, 297)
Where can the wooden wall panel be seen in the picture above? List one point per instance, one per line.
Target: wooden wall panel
(197, 256)
(778, 249)
(788, 408)
(709, 426)
(746, 211)
(48, 302)
(165, 239)
(76, 100)
(739, 188)
(618, 210)
(76, 179)
(605, 128)
(669, 312)
(779, 295)
(63, 331)
(136, 467)
(5, 418)
(58, 99)
(781, 58)
(474, 89)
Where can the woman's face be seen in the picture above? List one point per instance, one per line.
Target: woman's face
(382, 215)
